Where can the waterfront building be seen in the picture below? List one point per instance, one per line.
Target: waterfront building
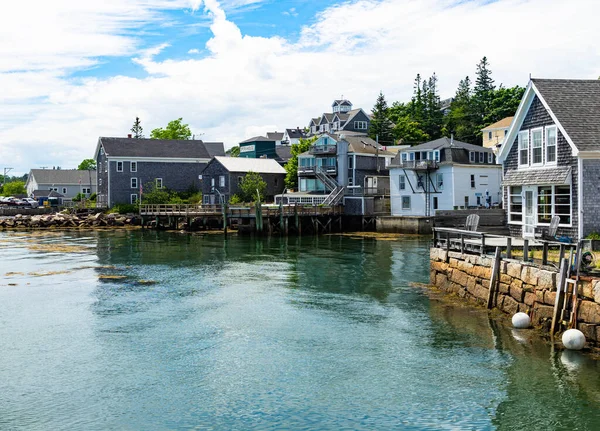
(443, 174)
(222, 177)
(342, 119)
(551, 159)
(266, 148)
(494, 134)
(293, 136)
(66, 182)
(126, 164)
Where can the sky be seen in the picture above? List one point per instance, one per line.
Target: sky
(74, 70)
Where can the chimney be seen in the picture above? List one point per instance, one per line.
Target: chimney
(129, 135)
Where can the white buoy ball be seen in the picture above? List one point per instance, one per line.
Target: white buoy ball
(573, 339)
(521, 321)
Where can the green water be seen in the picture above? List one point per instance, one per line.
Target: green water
(325, 333)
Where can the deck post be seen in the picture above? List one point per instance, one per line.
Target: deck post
(545, 253)
(224, 218)
(560, 295)
(525, 250)
(447, 247)
(509, 248)
(462, 243)
(494, 278)
(561, 253)
(482, 244)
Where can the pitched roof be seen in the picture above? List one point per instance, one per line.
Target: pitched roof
(558, 175)
(576, 105)
(502, 124)
(215, 148)
(445, 142)
(295, 133)
(284, 152)
(243, 164)
(155, 148)
(341, 102)
(276, 136)
(47, 193)
(365, 145)
(257, 139)
(62, 176)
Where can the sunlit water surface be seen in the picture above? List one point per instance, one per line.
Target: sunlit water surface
(326, 333)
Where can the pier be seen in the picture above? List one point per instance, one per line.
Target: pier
(259, 219)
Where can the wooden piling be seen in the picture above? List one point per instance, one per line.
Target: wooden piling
(560, 296)
(494, 278)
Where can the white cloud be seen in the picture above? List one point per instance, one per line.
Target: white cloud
(245, 85)
(194, 51)
(290, 12)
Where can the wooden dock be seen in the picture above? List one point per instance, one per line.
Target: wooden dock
(250, 219)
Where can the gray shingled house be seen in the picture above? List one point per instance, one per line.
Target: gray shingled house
(224, 174)
(343, 119)
(551, 159)
(126, 163)
(68, 182)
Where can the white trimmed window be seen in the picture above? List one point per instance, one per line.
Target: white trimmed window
(481, 157)
(402, 182)
(64, 190)
(490, 158)
(472, 156)
(159, 183)
(221, 180)
(119, 166)
(134, 183)
(437, 155)
(537, 147)
(551, 144)
(134, 198)
(515, 204)
(483, 180)
(404, 157)
(523, 139)
(86, 190)
(405, 202)
(472, 181)
(360, 125)
(133, 166)
(440, 181)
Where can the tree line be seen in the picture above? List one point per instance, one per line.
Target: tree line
(423, 118)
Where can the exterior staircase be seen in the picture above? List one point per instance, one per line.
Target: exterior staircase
(336, 192)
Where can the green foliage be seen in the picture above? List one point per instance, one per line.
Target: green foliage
(87, 164)
(174, 130)
(137, 129)
(234, 200)
(303, 145)
(153, 195)
(93, 197)
(126, 208)
(421, 119)
(233, 152)
(14, 188)
(593, 236)
(250, 184)
(381, 127)
(196, 198)
(79, 197)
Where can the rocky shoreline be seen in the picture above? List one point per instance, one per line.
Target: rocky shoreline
(63, 220)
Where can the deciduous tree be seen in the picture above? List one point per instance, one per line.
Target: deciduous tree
(251, 186)
(291, 167)
(87, 165)
(174, 130)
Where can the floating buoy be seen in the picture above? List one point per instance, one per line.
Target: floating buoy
(521, 321)
(573, 339)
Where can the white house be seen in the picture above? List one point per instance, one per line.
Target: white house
(67, 182)
(442, 175)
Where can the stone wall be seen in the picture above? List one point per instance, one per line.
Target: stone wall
(522, 287)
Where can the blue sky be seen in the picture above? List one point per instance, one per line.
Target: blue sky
(86, 69)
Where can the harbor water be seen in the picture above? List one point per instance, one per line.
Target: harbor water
(145, 330)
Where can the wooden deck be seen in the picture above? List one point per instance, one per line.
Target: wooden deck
(176, 210)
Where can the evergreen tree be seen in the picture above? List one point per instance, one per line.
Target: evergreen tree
(381, 127)
(417, 105)
(137, 130)
(433, 116)
(483, 95)
(459, 121)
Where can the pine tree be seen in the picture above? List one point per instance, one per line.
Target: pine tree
(483, 95)
(381, 127)
(459, 121)
(434, 118)
(137, 129)
(417, 105)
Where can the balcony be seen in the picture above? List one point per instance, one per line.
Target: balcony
(323, 149)
(310, 170)
(419, 165)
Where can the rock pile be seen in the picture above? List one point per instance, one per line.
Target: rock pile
(25, 221)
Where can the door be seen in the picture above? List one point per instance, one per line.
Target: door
(529, 216)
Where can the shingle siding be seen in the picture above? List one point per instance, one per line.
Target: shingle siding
(537, 116)
(590, 198)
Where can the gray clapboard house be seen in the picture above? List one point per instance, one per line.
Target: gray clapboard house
(124, 164)
(222, 176)
(551, 159)
(67, 182)
(342, 119)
